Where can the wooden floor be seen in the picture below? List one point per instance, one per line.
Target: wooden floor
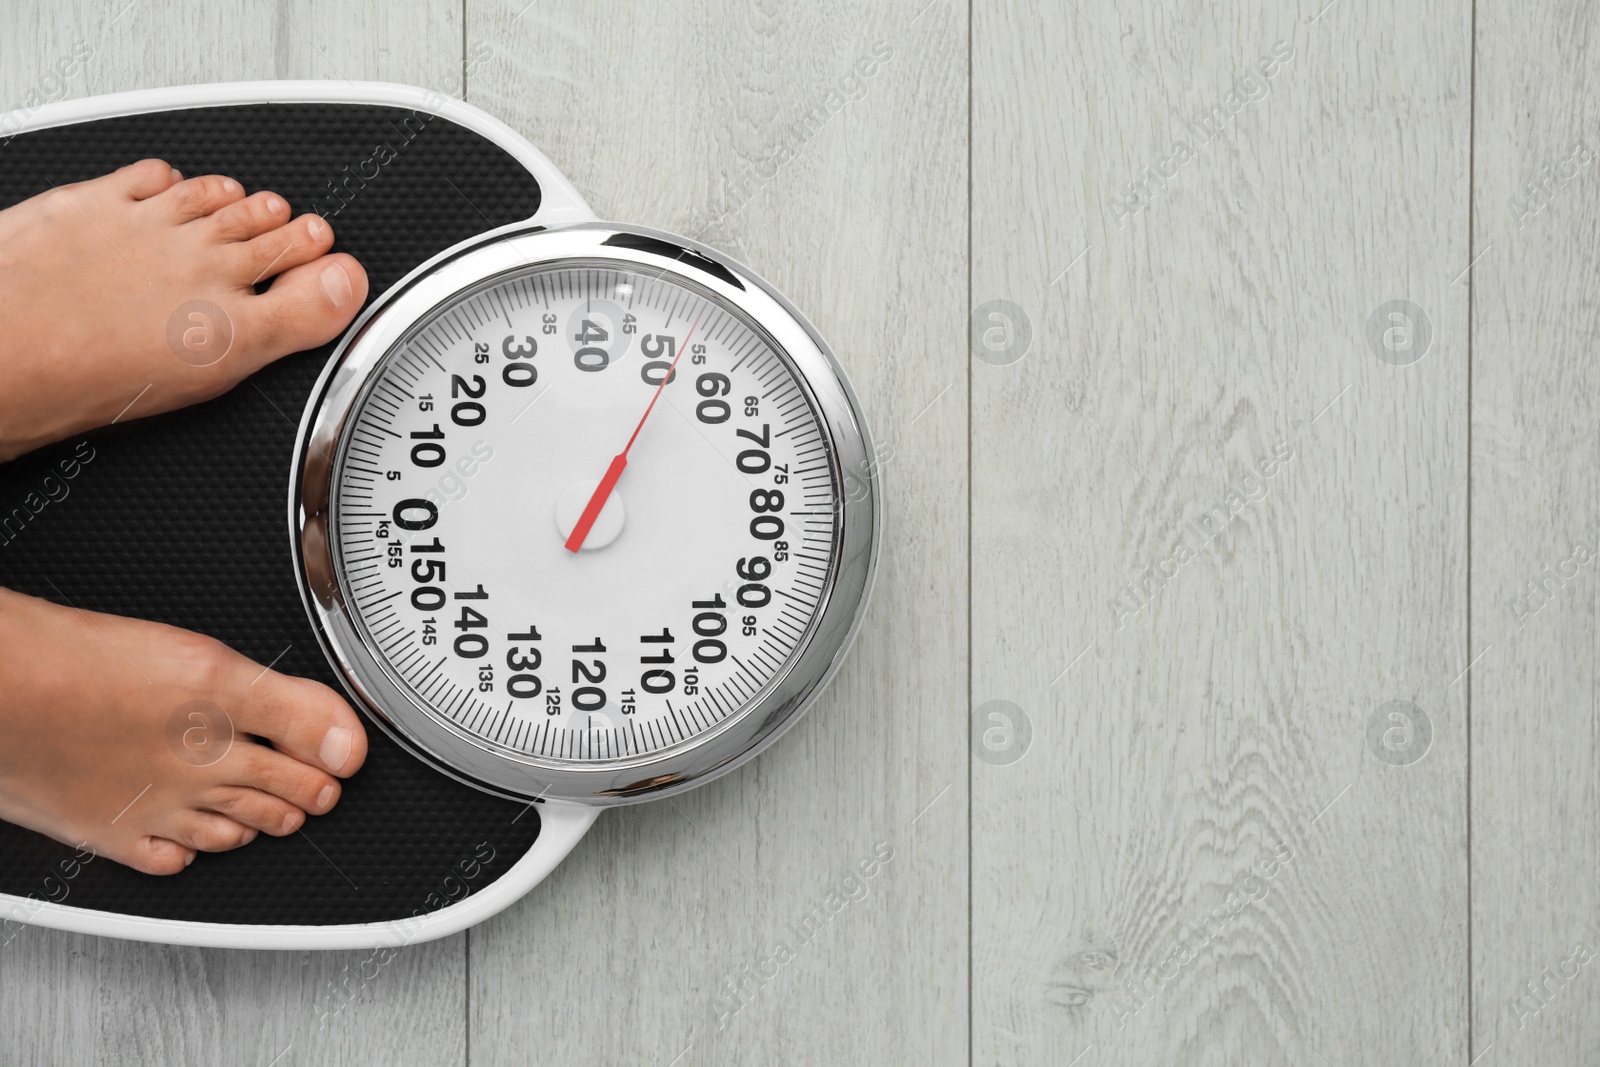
(1228, 695)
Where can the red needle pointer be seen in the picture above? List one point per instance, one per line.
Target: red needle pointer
(602, 492)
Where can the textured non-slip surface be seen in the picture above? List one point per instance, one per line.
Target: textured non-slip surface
(181, 518)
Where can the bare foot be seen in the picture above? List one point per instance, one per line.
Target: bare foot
(138, 740)
(134, 294)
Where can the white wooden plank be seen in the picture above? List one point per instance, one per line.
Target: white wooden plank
(665, 118)
(1535, 823)
(76, 999)
(1178, 343)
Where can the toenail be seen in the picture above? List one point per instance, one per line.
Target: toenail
(230, 186)
(288, 822)
(177, 176)
(325, 798)
(188, 859)
(317, 228)
(336, 283)
(336, 745)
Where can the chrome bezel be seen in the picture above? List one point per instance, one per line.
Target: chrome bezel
(393, 705)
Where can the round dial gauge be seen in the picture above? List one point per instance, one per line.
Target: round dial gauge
(575, 514)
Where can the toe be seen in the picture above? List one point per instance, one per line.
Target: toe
(206, 831)
(306, 720)
(305, 307)
(253, 216)
(251, 766)
(198, 197)
(155, 855)
(286, 247)
(263, 811)
(144, 179)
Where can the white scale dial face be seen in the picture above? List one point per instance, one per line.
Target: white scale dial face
(534, 590)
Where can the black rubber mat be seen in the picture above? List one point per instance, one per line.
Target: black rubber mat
(182, 518)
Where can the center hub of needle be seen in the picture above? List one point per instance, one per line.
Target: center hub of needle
(607, 526)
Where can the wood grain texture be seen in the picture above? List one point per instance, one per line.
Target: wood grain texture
(674, 117)
(83, 1000)
(1535, 509)
(1195, 709)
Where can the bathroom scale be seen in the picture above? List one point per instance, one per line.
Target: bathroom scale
(576, 514)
